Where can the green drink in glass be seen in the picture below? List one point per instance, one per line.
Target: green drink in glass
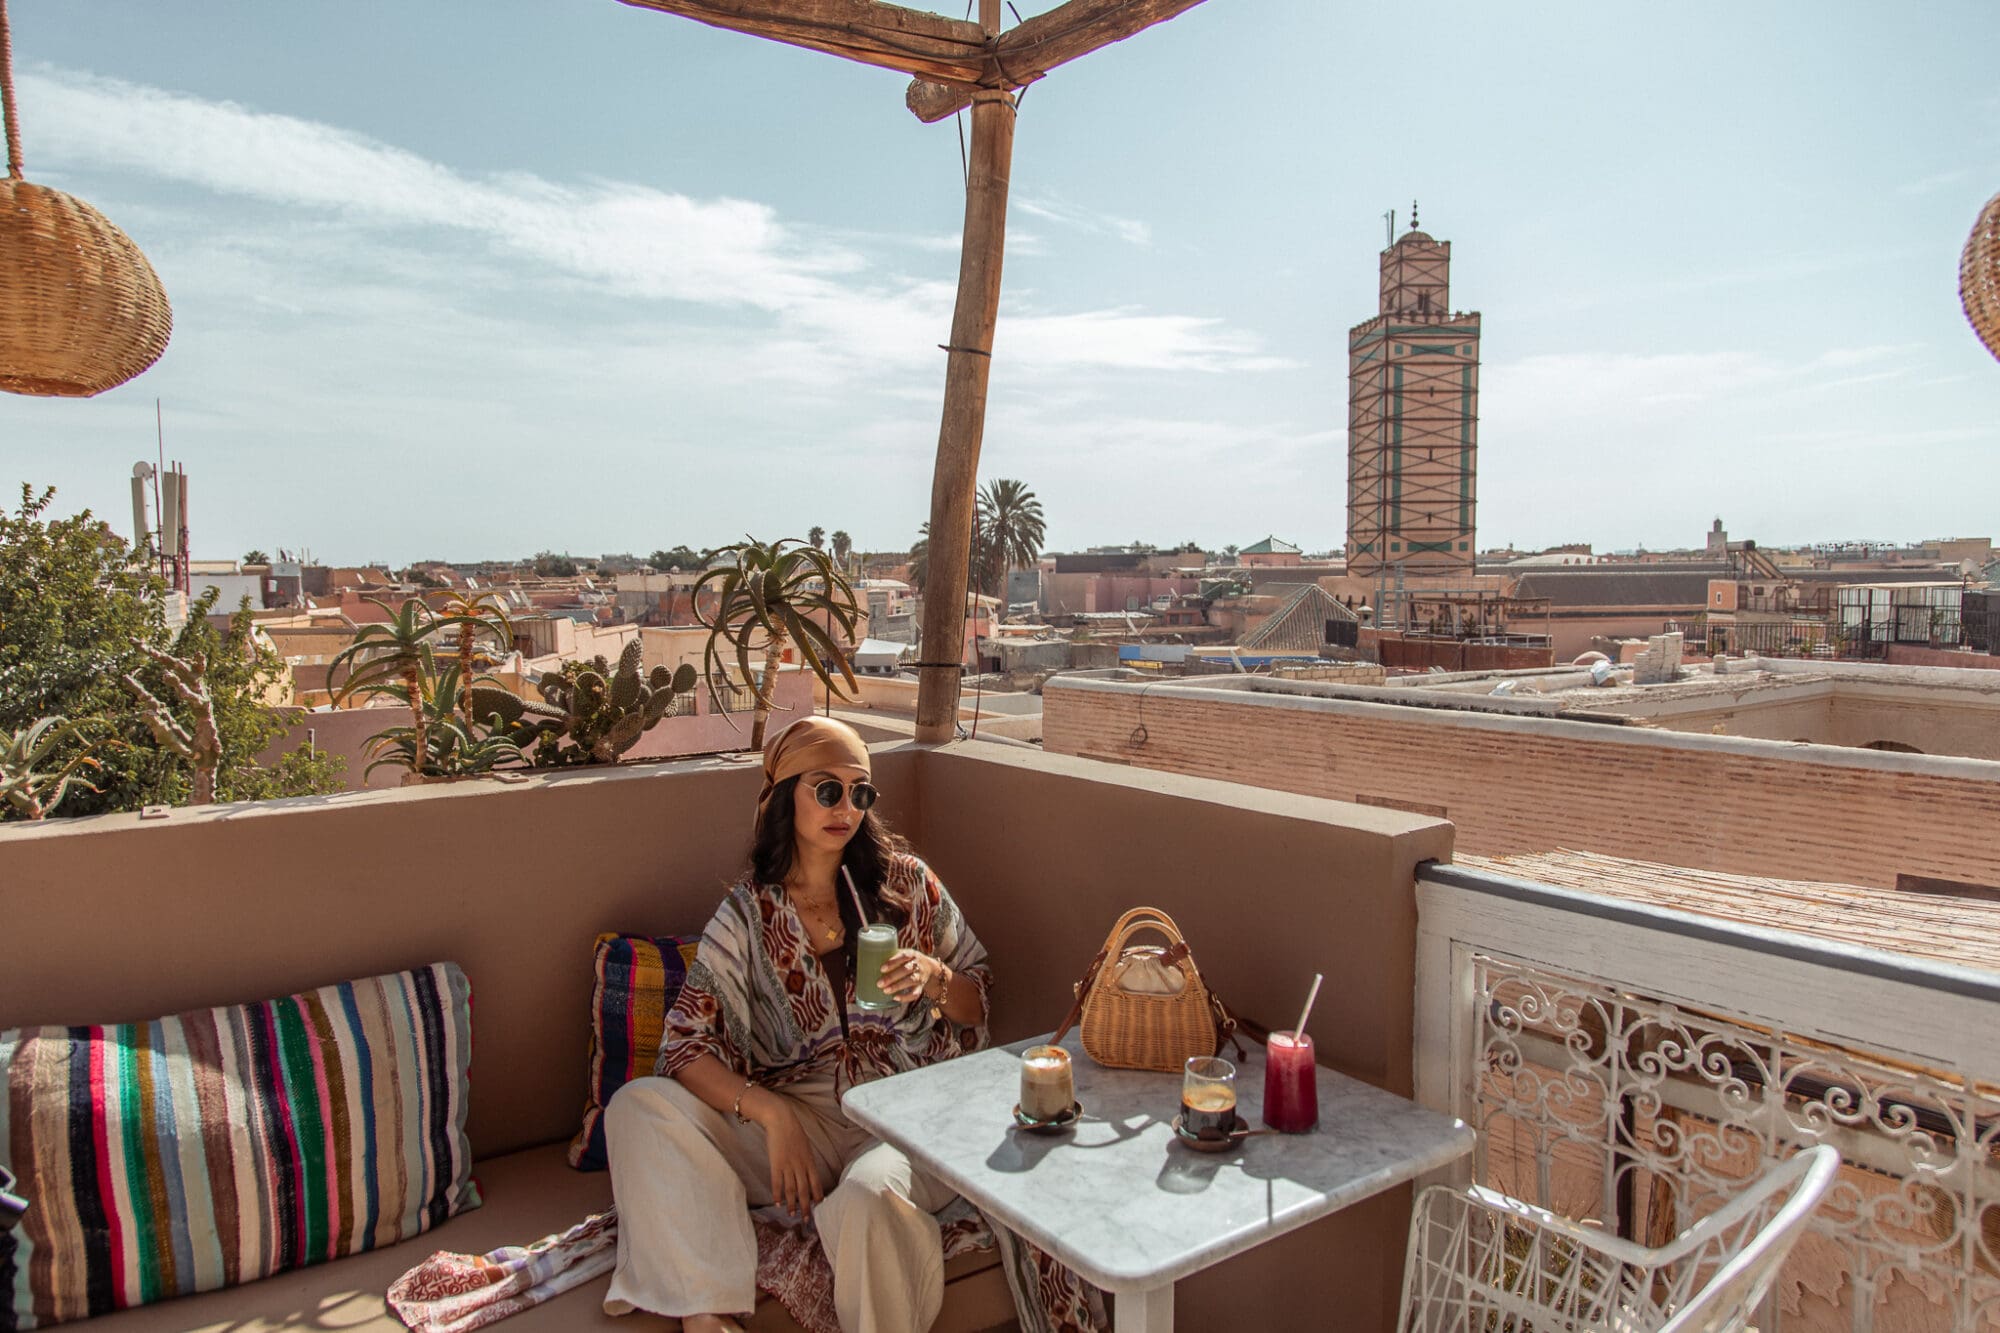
(872, 950)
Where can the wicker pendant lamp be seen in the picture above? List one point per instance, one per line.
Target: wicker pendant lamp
(81, 311)
(1979, 276)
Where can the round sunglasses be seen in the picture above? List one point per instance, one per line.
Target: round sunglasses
(828, 793)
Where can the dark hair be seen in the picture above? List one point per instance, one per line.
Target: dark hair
(867, 859)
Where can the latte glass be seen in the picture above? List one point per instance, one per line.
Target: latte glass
(1048, 1086)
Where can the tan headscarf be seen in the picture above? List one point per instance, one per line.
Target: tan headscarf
(810, 743)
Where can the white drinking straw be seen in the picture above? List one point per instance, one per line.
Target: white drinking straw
(862, 912)
(1299, 1032)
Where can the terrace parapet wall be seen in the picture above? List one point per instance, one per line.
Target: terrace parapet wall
(1517, 783)
(116, 918)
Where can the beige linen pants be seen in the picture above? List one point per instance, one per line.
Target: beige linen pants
(686, 1175)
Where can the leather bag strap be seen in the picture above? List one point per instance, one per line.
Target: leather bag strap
(1082, 992)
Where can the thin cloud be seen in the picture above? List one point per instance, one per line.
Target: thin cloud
(1130, 230)
(1941, 180)
(832, 306)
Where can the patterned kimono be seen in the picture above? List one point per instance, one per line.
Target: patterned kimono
(760, 1001)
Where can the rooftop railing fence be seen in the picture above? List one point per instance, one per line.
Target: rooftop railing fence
(1636, 1066)
(1866, 639)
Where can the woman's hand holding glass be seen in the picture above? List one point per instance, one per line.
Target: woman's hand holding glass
(909, 975)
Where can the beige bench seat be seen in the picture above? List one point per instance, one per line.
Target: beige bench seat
(528, 1195)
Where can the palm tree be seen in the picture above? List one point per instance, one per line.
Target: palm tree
(817, 536)
(481, 616)
(920, 558)
(770, 596)
(843, 546)
(1008, 532)
(979, 569)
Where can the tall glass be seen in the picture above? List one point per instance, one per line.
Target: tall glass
(1291, 1083)
(1208, 1097)
(872, 950)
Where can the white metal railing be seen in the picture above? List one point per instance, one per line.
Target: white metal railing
(1635, 1066)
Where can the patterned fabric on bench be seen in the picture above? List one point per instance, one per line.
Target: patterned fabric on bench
(223, 1145)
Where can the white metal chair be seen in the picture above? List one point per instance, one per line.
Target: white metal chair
(1481, 1261)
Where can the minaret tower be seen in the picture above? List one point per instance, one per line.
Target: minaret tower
(1413, 420)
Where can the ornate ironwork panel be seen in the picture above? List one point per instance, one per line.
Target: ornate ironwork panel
(1643, 1113)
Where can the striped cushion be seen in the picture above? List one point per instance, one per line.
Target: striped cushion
(224, 1145)
(638, 979)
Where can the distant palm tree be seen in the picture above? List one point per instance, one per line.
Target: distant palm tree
(817, 536)
(1008, 533)
(843, 546)
(920, 558)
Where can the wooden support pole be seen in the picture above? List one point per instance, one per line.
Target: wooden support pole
(969, 360)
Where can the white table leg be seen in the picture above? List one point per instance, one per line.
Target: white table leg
(1149, 1311)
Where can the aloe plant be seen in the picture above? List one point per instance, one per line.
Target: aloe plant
(766, 597)
(444, 745)
(24, 785)
(398, 659)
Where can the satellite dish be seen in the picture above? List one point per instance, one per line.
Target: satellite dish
(142, 471)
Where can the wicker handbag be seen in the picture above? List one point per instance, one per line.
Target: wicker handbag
(1145, 1006)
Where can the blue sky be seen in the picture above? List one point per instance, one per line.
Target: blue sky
(467, 280)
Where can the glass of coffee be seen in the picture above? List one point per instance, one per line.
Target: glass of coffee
(1048, 1088)
(872, 950)
(1208, 1097)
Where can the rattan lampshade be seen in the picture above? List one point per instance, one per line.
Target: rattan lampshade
(1979, 276)
(81, 311)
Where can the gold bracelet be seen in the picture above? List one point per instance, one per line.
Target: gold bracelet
(944, 990)
(737, 1109)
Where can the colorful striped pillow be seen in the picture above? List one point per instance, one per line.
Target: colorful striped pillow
(638, 979)
(224, 1145)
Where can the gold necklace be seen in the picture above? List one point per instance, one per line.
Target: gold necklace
(801, 908)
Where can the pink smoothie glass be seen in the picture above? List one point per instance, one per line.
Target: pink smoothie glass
(1291, 1083)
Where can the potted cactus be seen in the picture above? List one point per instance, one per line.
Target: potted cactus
(599, 710)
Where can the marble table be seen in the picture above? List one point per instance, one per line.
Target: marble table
(1118, 1198)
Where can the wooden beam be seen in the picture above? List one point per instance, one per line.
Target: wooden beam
(928, 46)
(1028, 52)
(932, 102)
(1077, 28)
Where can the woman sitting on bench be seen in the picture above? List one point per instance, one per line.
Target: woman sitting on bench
(745, 1112)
